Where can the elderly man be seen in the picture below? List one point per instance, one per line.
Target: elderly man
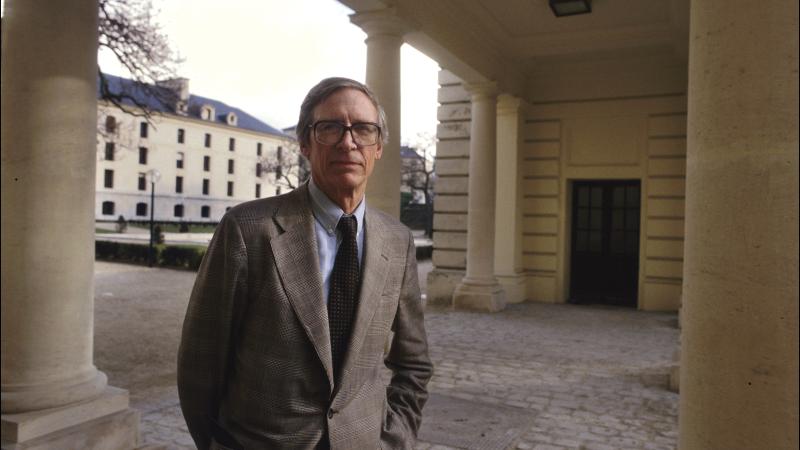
(284, 340)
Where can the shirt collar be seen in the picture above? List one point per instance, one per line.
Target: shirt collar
(328, 213)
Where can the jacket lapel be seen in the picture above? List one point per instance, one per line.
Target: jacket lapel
(374, 271)
(297, 263)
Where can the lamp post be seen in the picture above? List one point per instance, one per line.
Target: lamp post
(154, 176)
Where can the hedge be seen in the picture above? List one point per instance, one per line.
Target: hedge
(180, 256)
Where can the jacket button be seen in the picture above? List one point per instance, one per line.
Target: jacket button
(330, 414)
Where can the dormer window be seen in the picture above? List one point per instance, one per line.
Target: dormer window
(207, 112)
(181, 108)
(231, 119)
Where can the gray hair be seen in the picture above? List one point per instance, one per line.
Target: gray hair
(322, 91)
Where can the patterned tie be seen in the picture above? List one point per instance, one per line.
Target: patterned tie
(343, 296)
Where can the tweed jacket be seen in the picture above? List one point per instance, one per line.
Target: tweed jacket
(254, 364)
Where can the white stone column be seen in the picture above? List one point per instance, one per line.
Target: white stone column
(508, 209)
(479, 289)
(49, 84)
(384, 39)
(739, 361)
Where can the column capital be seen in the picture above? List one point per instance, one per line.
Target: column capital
(509, 104)
(487, 89)
(383, 22)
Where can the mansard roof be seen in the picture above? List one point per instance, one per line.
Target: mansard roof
(194, 105)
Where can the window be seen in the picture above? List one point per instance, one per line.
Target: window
(205, 211)
(143, 129)
(178, 185)
(179, 161)
(142, 155)
(205, 186)
(206, 163)
(258, 169)
(142, 181)
(141, 209)
(258, 149)
(279, 153)
(230, 188)
(108, 178)
(181, 135)
(109, 151)
(258, 190)
(108, 208)
(208, 140)
(278, 190)
(111, 124)
(178, 210)
(231, 144)
(230, 166)
(278, 172)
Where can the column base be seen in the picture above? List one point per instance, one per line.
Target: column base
(103, 422)
(514, 286)
(479, 295)
(441, 284)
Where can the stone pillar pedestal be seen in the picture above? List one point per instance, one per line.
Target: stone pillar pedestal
(479, 289)
(49, 126)
(739, 361)
(384, 39)
(508, 209)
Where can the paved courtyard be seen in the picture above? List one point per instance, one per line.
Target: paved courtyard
(534, 376)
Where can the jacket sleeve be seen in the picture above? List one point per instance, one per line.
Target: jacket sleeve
(205, 350)
(409, 362)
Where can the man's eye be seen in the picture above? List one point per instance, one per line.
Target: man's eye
(329, 127)
(364, 129)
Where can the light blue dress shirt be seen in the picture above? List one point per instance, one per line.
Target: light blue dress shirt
(327, 214)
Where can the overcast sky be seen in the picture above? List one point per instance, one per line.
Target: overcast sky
(263, 55)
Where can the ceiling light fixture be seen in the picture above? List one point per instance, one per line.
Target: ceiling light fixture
(563, 8)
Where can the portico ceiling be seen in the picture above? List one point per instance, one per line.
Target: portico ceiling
(508, 41)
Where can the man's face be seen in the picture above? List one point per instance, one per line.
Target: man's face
(343, 168)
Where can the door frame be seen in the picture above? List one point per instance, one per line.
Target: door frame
(565, 268)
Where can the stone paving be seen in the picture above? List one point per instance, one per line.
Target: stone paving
(577, 377)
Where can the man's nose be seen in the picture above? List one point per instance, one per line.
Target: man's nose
(347, 142)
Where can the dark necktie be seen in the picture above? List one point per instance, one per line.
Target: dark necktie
(343, 295)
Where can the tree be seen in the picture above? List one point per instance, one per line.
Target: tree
(417, 173)
(287, 164)
(127, 28)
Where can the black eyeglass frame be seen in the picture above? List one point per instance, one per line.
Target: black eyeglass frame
(345, 129)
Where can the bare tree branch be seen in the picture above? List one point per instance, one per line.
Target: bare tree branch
(288, 166)
(127, 28)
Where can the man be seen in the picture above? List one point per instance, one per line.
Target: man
(295, 301)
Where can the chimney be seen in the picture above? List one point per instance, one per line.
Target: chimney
(180, 86)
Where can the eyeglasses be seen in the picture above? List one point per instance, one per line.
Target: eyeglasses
(328, 132)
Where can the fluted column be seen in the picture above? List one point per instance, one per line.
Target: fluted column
(739, 361)
(508, 210)
(479, 289)
(49, 120)
(384, 39)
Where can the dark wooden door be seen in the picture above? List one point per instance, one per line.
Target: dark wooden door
(605, 242)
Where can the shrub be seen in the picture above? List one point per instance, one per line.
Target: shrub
(120, 251)
(158, 236)
(184, 256)
(122, 224)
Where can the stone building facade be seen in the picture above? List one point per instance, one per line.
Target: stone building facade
(634, 147)
(209, 155)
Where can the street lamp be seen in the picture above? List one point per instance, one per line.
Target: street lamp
(154, 176)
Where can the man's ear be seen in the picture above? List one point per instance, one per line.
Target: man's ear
(379, 150)
(305, 151)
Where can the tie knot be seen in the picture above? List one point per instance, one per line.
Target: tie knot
(347, 225)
